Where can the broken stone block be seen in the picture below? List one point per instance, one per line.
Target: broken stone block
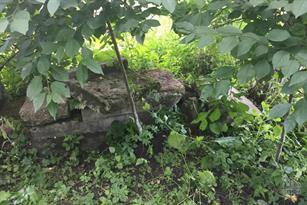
(42, 116)
(105, 100)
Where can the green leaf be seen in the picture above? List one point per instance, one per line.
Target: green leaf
(170, 5)
(26, 70)
(216, 5)
(20, 22)
(229, 30)
(43, 65)
(205, 41)
(3, 24)
(215, 115)
(35, 87)
(57, 98)
(225, 72)
(65, 34)
(245, 45)
(60, 53)
(206, 180)
(256, 2)
(301, 111)
(82, 75)
(92, 65)
(279, 110)
(60, 89)
(60, 75)
(53, 6)
(292, 67)
(38, 101)
(216, 128)
(301, 56)
(4, 196)
(289, 124)
(48, 47)
(228, 44)
(72, 48)
(262, 69)
(261, 50)
(66, 4)
(53, 109)
(226, 140)
(246, 73)
(177, 141)
(278, 35)
(203, 125)
(280, 59)
(277, 4)
(299, 77)
(222, 88)
(299, 7)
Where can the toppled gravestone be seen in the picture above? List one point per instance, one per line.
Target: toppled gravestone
(101, 101)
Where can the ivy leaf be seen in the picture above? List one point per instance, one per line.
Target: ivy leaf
(3, 24)
(279, 110)
(299, 7)
(20, 22)
(53, 6)
(72, 48)
(262, 69)
(278, 35)
(170, 5)
(228, 44)
(38, 101)
(43, 65)
(298, 77)
(35, 87)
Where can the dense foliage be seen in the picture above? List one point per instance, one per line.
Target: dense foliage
(225, 155)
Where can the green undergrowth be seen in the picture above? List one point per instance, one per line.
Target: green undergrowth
(167, 164)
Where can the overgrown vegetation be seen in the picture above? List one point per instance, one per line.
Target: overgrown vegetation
(218, 152)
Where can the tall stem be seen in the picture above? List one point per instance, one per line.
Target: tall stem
(282, 138)
(123, 69)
